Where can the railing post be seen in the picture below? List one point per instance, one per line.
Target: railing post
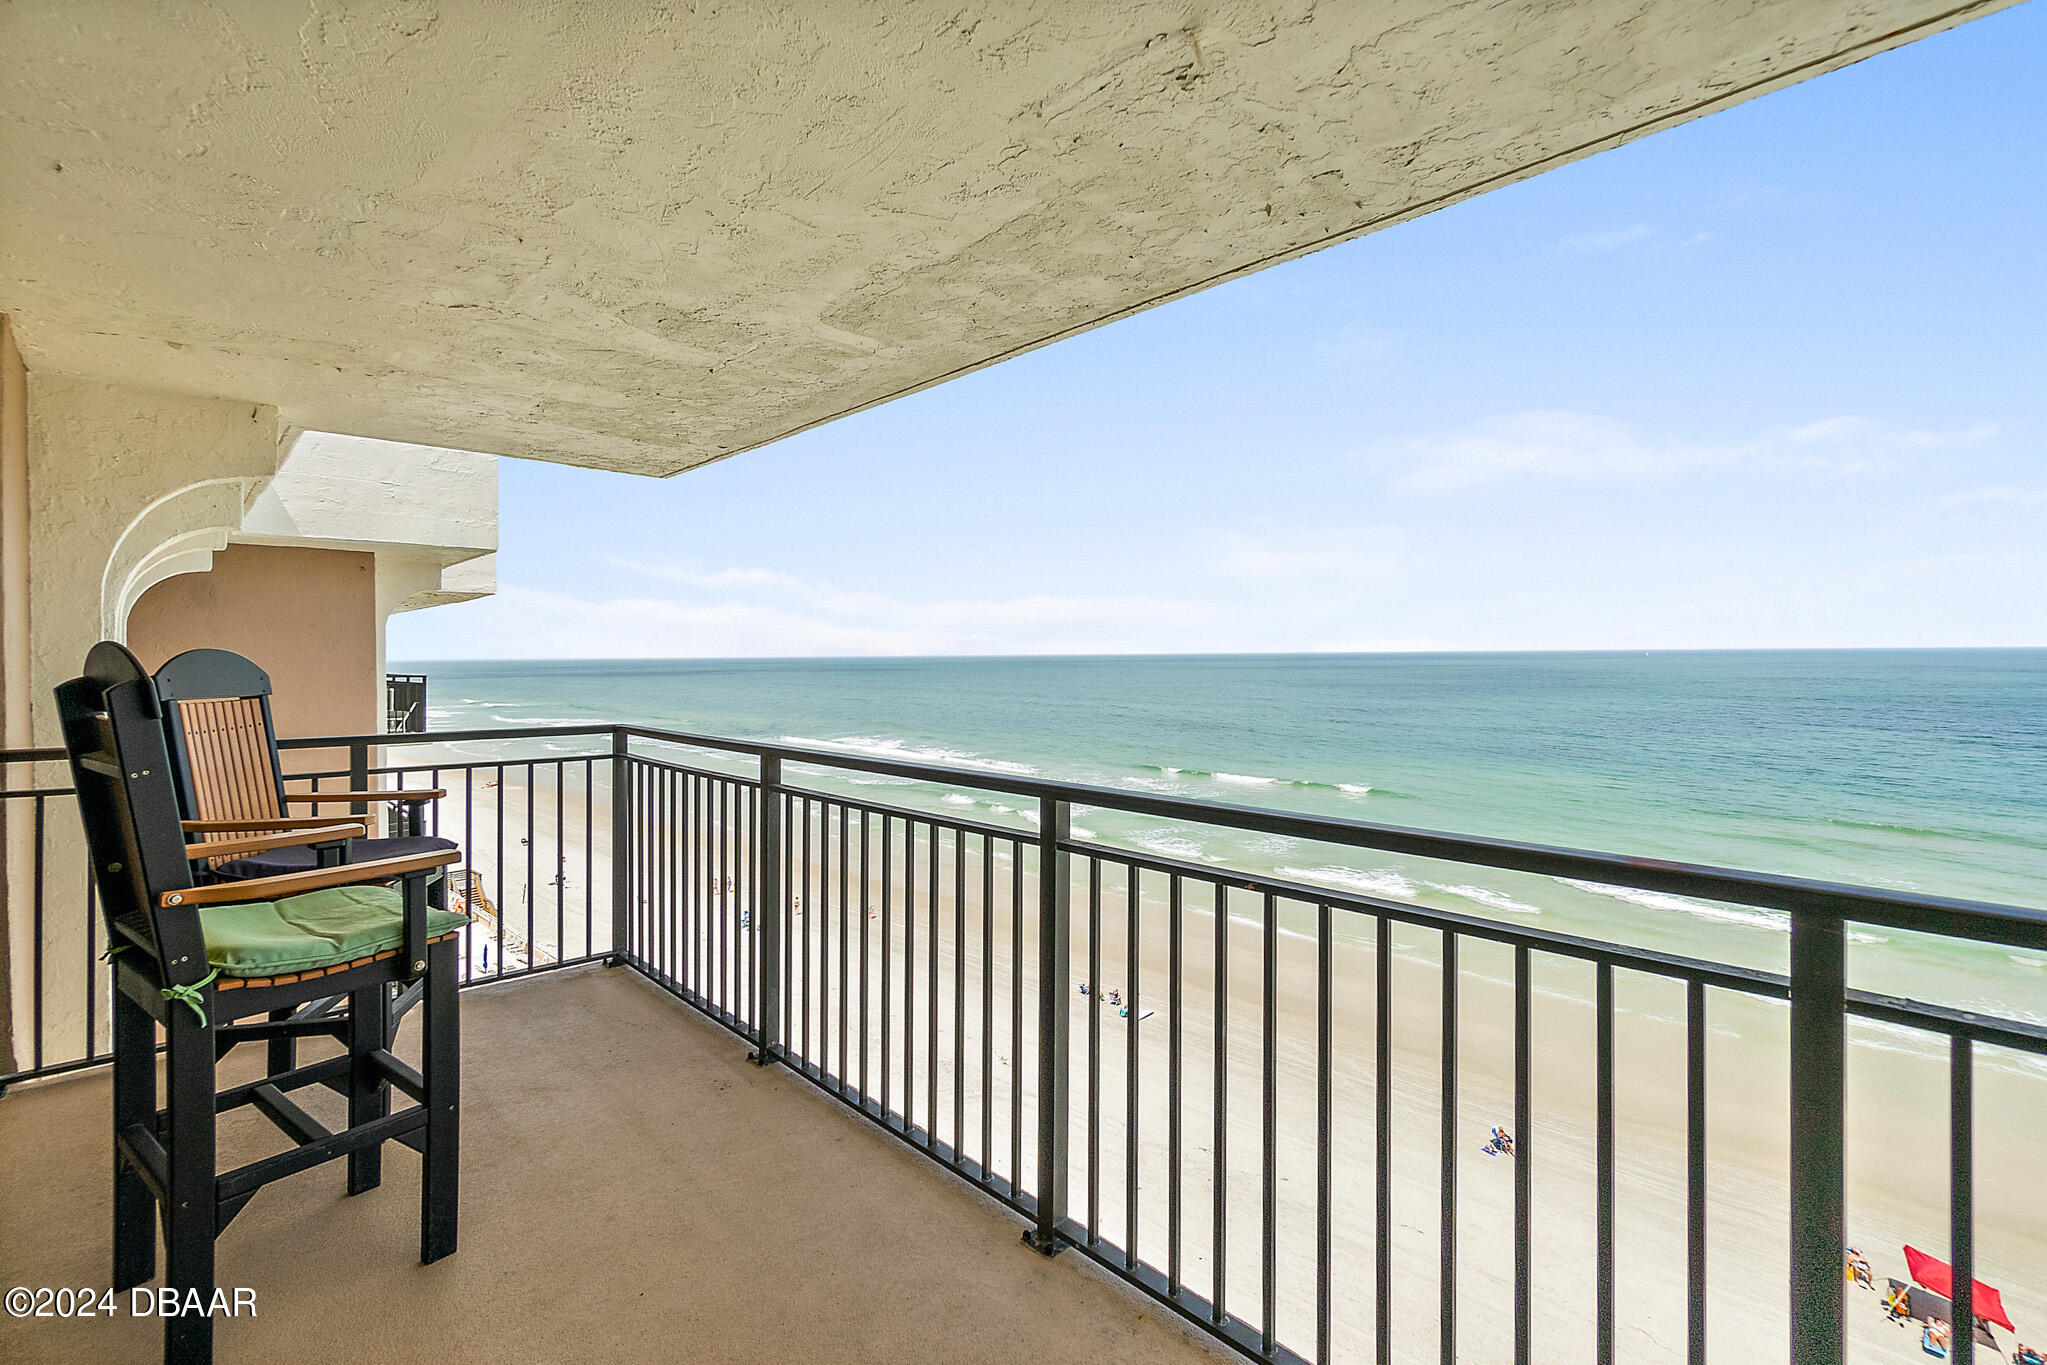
(621, 850)
(1055, 1020)
(767, 916)
(1819, 1046)
(359, 775)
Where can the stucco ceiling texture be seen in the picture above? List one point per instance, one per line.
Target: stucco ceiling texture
(643, 236)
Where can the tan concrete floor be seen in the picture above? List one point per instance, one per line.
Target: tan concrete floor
(633, 1190)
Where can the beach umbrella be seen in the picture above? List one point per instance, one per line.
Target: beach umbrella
(1939, 1276)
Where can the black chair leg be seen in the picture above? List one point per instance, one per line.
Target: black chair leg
(190, 1212)
(369, 1095)
(441, 1166)
(134, 1103)
(283, 1051)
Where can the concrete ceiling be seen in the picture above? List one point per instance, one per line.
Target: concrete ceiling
(642, 236)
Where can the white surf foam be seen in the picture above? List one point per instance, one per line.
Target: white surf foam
(1170, 845)
(1245, 780)
(1774, 920)
(898, 751)
(1382, 881)
(1485, 895)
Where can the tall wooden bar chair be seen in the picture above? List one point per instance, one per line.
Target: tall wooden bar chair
(195, 959)
(230, 783)
(223, 750)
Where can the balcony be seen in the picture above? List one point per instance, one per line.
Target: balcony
(1246, 1114)
(629, 1183)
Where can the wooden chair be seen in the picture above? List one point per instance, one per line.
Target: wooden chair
(223, 751)
(194, 959)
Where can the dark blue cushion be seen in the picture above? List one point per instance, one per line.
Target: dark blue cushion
(276, 862)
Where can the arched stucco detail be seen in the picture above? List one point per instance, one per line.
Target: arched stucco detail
(168, 562)
(177, 533)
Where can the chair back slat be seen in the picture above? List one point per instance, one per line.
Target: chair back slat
(228, 748)
(217, 719)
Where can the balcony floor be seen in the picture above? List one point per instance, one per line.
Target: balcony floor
(633, 1189)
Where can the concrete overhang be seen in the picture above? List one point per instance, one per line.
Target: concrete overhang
(643, 237)
(351, 493)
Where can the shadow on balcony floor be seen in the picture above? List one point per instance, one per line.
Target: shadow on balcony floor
(632, 1190)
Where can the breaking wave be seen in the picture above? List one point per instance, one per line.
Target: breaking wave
(897, 751)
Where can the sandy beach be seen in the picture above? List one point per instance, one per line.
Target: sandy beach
(1897, 1120)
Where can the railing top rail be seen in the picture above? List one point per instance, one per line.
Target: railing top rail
(2021, 926)
(1910, 911)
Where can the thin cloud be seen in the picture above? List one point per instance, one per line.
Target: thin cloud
(1336, 558)
(688, 610)
(549, 624)
(1359, 346)
(795, 615)
(1580, 446)
(2003, 495)
(1611, 240)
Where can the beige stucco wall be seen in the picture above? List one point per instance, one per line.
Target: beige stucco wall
(16, 833)
(307, 617)
(14, 724)
(122, 485)
(120, 480)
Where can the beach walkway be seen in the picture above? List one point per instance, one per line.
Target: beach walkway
(633, 1189)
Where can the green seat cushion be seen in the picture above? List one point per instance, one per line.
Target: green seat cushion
(318, 929)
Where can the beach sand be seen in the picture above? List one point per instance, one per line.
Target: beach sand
(1897, 1098)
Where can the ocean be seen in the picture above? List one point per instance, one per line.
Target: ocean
(1922, 770)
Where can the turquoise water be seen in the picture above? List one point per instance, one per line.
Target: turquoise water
(1923, 770)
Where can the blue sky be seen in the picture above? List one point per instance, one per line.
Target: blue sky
(1771, 379)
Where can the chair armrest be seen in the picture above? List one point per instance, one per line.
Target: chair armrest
(318, 879)
(265, 826)
(395, 794)
(257, 843)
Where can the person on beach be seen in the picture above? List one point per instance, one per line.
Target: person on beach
(2023, 1354)
(1858, 1269)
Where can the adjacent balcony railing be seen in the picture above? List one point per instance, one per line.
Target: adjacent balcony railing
(1170, 1067)
(404, 702)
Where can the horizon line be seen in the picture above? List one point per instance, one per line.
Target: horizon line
(1224, 654)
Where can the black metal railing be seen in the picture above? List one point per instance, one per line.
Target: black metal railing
(986, 990)
(404, 703)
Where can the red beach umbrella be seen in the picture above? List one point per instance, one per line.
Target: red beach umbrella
(1939, 1276)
